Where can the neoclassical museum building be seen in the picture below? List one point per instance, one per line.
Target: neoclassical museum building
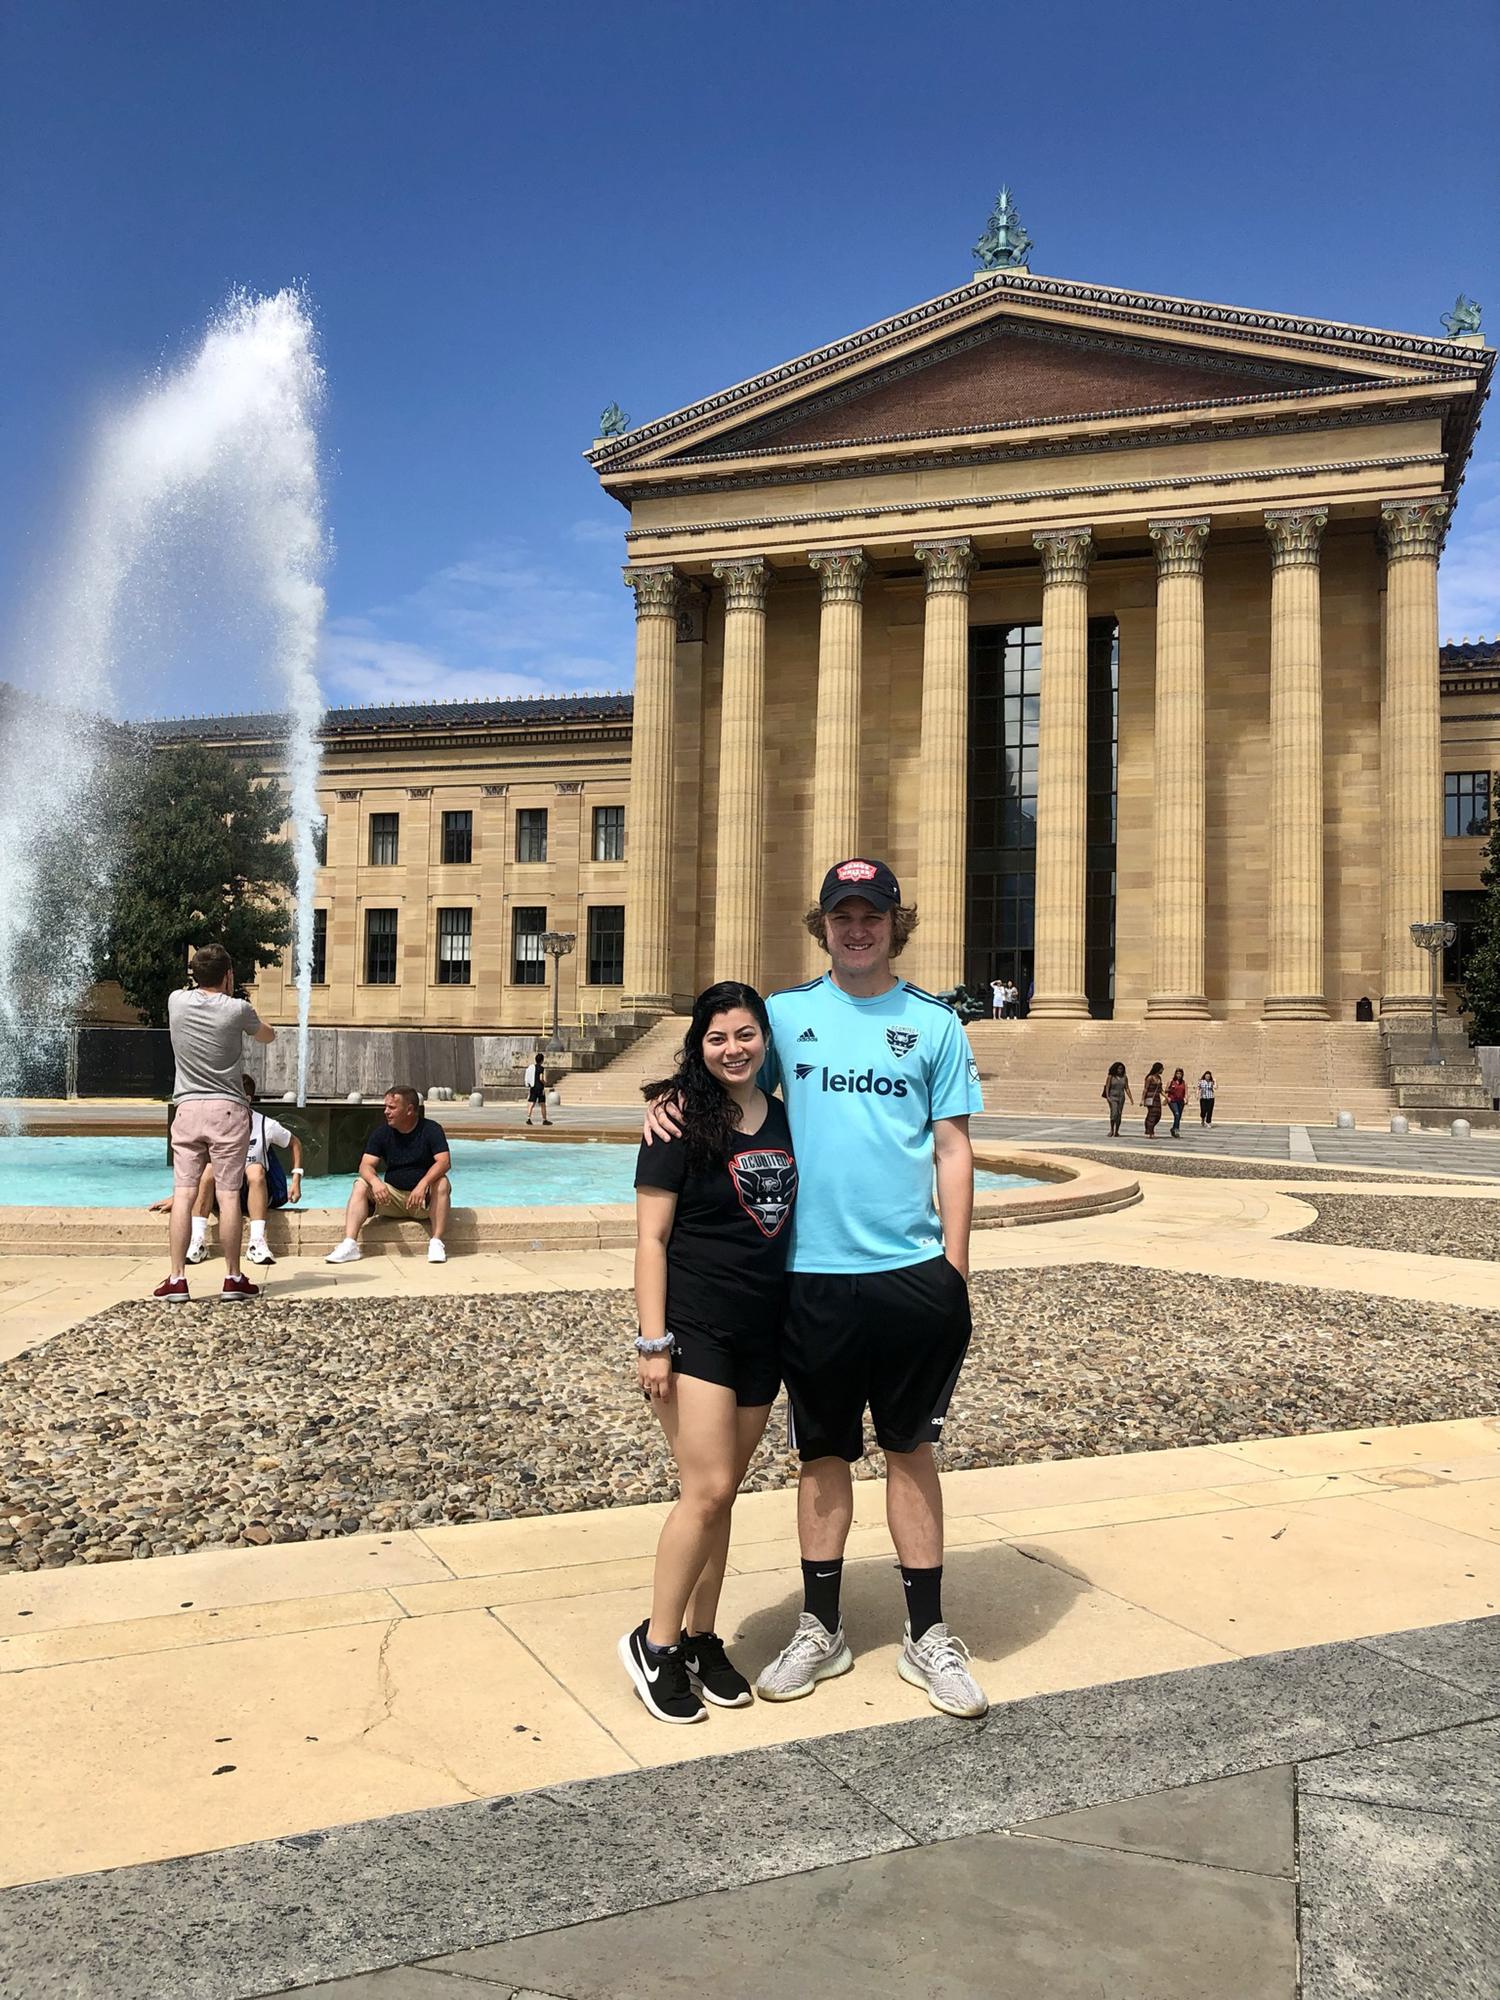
(1109, 619)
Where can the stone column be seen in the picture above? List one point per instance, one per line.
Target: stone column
(943, 790)
(648, 817)
(1178, 869)
(1411, 777)
(835, 801)
(737, 890)
(1062, 775)
(1294, 971)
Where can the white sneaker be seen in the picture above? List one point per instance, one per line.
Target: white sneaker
(199, 1254)
(814, 1654)
(938, 1663)
(348, 1252)
(436, 1254)
(259, 1252)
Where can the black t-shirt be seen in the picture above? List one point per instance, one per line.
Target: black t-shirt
(726, 1256)
(407, 1155)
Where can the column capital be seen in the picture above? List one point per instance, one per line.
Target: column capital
(1295, 533)
(1065, 554)
(1413, 529)
(947, 565)
(655, 591)
(842, 574)
(746, 580)
(1179, 545)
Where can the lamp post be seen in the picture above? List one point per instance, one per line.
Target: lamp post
(1433, 938)
(557, 945)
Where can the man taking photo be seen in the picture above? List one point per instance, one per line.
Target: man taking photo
(879, 1084)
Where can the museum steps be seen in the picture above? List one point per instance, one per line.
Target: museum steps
(1275, 1073)
(1267, 1073)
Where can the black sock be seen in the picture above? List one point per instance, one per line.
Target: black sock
(924, 1598)
(820, 1590)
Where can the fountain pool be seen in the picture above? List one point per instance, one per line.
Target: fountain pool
(89, 1172)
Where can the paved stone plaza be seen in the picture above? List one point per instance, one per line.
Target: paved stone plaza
(405, 1762)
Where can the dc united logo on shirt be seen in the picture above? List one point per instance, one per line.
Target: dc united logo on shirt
(902, 1040)
(765, 1183)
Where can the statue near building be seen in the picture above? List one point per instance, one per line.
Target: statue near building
(613, 422)
(1004, 244)
(1464, 318)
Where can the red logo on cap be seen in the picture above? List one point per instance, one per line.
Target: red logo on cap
(856, 871)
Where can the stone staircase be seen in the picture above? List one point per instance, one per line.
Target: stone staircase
(652, 1054)
(1287, 1072)
(1434, 1094)
(1268, 1073)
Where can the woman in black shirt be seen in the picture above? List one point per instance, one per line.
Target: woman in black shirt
(713, 1214)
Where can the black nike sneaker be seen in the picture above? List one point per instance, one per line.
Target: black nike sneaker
(712, 1672)
(660, 1679)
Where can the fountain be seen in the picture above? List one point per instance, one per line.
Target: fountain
(218, 458)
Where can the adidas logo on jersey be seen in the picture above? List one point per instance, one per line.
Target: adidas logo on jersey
(807, 1035)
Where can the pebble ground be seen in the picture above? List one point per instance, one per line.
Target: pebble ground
(143, 1432)
(1426, 1225)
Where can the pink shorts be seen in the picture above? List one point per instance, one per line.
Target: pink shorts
(210, 1129)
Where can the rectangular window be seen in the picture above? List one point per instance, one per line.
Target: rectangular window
(609, 833)
(528, 961)
(531, 833)
(458, 836)
(320, 839)
(385, 839)
(1466, 804)
(606, 945)
(380, 947)
(320, 948)
(455, 935)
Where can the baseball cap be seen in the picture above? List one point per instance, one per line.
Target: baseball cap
(870, 879)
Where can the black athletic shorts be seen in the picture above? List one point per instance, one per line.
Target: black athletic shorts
(890, 1340)
(745, 1362)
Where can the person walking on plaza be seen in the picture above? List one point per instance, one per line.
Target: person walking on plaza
(1116, 1094)
(713, 1216)
(1177, 1097)
(211, 1119)
(536, 1088)
(1207, 1089)
(413, 1151)
(1151, 1099)
(880, 1084)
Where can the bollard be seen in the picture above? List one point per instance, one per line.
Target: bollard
(476, 1098)
(1399, 1125)
(1460, 1128)
(1345, 1121)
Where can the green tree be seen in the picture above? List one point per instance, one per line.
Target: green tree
(202, 860)
(1481, 982)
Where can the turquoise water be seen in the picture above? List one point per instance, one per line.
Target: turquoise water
(487, 1173)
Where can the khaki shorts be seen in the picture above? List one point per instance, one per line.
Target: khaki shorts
(212, 1130)
(403, 1201)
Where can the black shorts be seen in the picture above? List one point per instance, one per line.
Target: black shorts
(890, 1340)
(748, 1363)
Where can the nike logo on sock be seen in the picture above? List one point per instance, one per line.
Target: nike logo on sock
(822, 1574)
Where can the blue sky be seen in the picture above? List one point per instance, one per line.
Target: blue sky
(507, 216)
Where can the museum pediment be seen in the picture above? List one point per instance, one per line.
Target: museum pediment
(1012, 351)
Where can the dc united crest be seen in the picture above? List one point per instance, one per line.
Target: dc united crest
(902, 1040)
(766, 1184)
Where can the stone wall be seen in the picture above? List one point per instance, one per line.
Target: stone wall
(368, 1060)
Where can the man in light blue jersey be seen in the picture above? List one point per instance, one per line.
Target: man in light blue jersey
(879, 1084)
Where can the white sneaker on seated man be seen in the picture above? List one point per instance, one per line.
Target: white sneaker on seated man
(403, 1171)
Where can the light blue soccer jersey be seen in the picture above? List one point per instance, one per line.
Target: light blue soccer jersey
(863, 1081)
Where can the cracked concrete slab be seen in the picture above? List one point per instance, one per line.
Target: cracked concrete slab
(1245, 1823)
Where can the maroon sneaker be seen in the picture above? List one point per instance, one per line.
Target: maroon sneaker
(236, 1288)
(173, 1292)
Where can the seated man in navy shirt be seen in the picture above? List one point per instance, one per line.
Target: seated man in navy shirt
(413, 1151)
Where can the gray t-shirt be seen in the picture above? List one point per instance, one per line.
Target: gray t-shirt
(208, 1033)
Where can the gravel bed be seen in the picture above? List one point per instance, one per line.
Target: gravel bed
(1160, 1159)
(1427, 1226)
(143, 1432)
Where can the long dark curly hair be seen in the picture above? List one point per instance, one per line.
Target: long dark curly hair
(710, 1116)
